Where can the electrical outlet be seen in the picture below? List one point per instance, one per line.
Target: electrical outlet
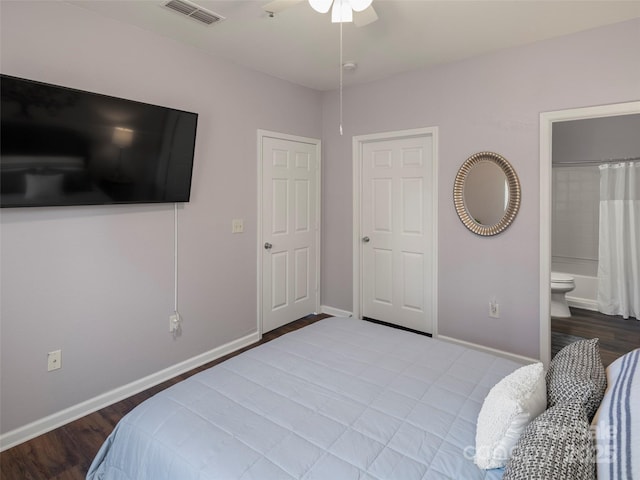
(237, 225)
(54, 360)
(494, 310)
(174, 322)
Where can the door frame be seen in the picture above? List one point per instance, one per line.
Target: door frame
(547, 119)
(261, 134)
(358, 142)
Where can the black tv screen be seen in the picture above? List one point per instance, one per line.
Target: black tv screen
(61, 146)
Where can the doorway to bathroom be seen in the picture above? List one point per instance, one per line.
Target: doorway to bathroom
(576, 146)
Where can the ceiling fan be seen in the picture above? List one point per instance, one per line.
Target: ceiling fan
(360, 12)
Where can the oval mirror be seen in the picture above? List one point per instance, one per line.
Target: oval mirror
(486, 193)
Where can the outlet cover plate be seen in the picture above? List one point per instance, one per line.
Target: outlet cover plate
(174, 322)
(54, 360)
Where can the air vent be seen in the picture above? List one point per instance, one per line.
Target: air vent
(194, 11)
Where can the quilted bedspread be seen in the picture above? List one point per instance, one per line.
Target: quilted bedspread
(339, 399)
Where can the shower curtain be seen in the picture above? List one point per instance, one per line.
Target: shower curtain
(619, 255)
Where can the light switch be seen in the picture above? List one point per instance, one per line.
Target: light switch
(237, 225)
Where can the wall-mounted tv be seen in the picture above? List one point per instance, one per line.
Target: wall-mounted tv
(60, 146)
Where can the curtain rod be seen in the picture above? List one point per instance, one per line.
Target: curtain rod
(595, 162)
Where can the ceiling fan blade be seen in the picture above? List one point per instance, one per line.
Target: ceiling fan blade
(365, 17)
(341, 12)
(321, 6)
(359, 5)
(276, 6)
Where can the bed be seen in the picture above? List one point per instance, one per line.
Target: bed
(339, 399)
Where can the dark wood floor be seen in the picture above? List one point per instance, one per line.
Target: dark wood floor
(617, 336)
(67, 452)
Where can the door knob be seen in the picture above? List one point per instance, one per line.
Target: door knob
(365, 239)
(267, 246)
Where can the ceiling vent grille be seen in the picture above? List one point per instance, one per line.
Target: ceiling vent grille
(194, 11)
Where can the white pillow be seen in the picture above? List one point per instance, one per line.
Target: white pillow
(508, 408)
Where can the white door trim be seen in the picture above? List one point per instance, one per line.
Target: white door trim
(259, 247)
(358, 142)
(546, 126)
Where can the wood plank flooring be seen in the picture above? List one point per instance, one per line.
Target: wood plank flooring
(617, 336)
(67, 452)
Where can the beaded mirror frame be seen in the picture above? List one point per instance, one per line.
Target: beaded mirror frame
(513, 204)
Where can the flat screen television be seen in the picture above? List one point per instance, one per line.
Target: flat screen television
(60, 146)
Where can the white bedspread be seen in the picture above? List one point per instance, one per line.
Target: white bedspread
(340, 399)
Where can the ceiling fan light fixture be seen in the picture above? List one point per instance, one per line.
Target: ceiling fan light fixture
(359, 5)
(321, 6)
(341, 12)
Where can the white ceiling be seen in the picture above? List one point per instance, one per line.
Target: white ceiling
(302, 46)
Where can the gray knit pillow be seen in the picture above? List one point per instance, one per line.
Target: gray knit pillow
(577, 373)
(556, 445)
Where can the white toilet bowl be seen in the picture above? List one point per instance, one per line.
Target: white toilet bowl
(560, 285)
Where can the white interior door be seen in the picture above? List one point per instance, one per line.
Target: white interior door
(397, 231)
(290, 229)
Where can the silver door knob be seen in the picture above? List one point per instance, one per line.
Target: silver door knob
(365, 239)
(267, 246)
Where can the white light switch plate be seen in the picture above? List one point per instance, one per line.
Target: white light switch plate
(237, 225)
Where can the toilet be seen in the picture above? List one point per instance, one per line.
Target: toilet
(560, 285)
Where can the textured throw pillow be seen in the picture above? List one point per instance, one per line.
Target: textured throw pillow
(577, 373)
(617, 422)
(556, 445)
(508, 408)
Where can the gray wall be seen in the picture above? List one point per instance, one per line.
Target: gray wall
(97, 282)
(596, 139)
(487, 103)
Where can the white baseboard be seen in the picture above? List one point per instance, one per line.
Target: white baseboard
(51, 422)
(584, 303)
(336, 312)
(493, 351)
